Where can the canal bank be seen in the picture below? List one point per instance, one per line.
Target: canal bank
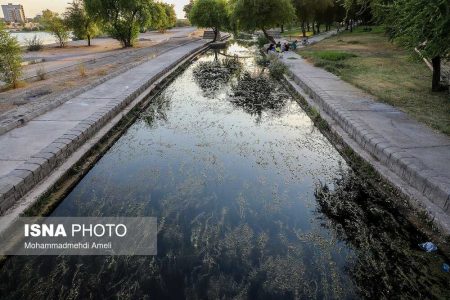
(409, 155)
(31, 152)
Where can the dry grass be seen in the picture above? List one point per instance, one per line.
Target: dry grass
(41, 73)
(82, 70)
(387, 72)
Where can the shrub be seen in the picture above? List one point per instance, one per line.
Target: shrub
(41, 73)
(262, 40)
(182, 23)
(276, 68)
(82, 70)
(10, 58)
(34, 44)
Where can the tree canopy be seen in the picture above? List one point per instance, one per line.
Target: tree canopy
(210, 14)
(167, 17)
(56, 25)
(423, 24)
(123, 19)
(187, 8)
(262, 14)
(83, 25)
(10, 58)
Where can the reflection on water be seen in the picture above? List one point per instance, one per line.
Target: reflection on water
(240, 208)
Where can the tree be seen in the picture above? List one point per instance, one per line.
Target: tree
(187, 8)
(352, 7)
(323, 13)
(56, 25)
(263, 14)
(123, 18)
(83, 25)
(424, 24)
(210, 14)
(10, 58)
(303, 11)
(168, 17)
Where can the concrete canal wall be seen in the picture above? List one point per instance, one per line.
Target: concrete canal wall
(32, 152)
(413, 157)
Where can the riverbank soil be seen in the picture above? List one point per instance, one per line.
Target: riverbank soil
(371, 62)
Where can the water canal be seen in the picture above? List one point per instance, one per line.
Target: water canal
(252, 201)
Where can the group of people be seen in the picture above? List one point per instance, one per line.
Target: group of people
(279, 48)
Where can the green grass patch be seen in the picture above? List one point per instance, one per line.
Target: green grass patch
(331, 55)
(295, 32)
(374, 64)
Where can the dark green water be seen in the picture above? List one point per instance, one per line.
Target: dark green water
(253, 202)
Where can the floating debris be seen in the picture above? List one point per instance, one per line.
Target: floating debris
(445, 268)
(428, 247)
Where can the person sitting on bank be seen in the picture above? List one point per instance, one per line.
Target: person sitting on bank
(278, 47)
(285, 47)
(294, 45)
(271, 48)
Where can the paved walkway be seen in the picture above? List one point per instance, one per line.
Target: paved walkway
(417, 154)
(29, 153)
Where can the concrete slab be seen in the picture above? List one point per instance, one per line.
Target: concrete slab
(7, 166)
(401, 130)
(21, 143)
(435, 158)
(77, 109)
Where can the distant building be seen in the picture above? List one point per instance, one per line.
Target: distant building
(14, 13)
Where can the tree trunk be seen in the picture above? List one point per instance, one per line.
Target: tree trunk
(282, 28)
(318, 27)
(303, 29)
(216, 32)
(436, 83)
(351, 25)
(89, 40)
(270, 38)
(307, 25)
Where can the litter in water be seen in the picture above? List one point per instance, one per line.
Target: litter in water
(428, 247)
(445, 267)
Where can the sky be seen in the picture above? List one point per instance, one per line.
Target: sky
(34, 7)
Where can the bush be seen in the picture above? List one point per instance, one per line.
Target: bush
(82, 70)
(34, 44)
(262, 40)
(182, 23)
(10, 58)
(41, 73)
(276, 68)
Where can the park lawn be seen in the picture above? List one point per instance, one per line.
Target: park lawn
(295, 33)
(369, 61)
